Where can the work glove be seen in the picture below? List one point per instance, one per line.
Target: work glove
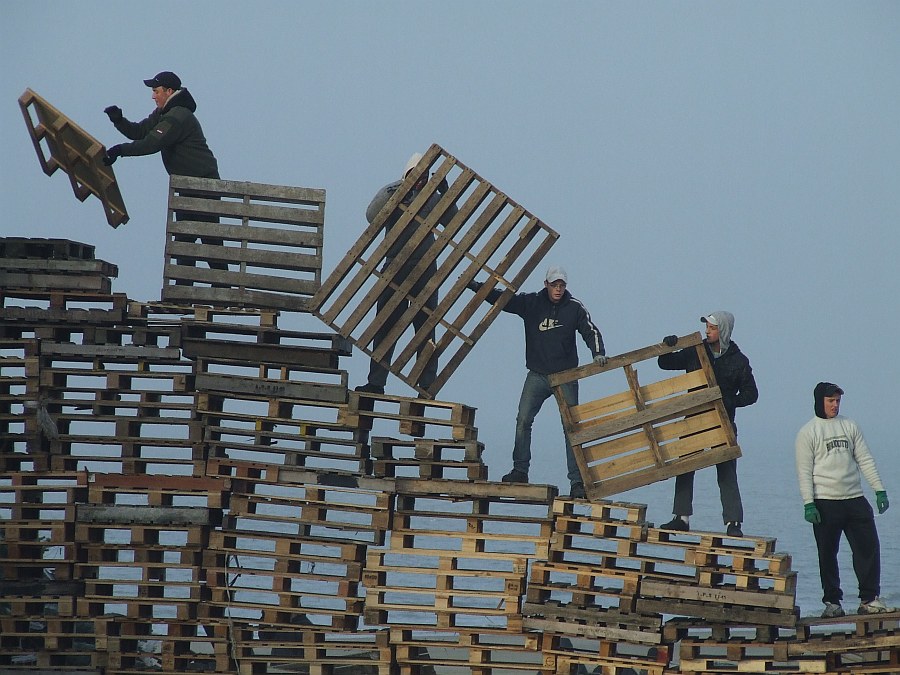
(114, 113)
(881, 501)
(112, 154)
(670, 340)
(601, 359)
(811, 513)
(474, 286)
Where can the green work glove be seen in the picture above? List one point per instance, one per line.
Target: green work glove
(881, 501)
(811, 513)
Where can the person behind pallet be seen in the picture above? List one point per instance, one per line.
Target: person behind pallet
(552, 316)
(831, 453)
(734, 376)
(378, 373)
(175, 133)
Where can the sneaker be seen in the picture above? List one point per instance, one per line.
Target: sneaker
(734, 530)
(369, 389)
(515, 476)
(677, 523)
(832, 610)
(577, 491)
(875, 606)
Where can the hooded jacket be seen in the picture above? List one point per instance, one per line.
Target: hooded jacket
(730, 366)
(383, 196)
(175, 133)
(550, 329)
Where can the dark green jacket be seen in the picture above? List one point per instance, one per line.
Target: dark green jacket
(175, 133)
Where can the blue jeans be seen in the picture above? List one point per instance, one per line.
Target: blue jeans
(535, 391)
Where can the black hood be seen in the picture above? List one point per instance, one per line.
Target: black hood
(181, 99)
(822, 390)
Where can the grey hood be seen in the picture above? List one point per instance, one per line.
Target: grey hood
(725, 322)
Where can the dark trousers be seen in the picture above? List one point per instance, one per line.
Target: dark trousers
(729, 493)
(210, 241)
(378, 374)
(854, 519)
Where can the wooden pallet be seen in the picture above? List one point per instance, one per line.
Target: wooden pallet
(413, 415)
(490, 233)
(272, 244)
(72, 307)
(551, 616)
(649, 432)
(45, 250)
(428, 458)
(475, 653)
(245, 343)
(92, 276)
(279, 432)
(276, 650)
(74, 151)
(469, 525)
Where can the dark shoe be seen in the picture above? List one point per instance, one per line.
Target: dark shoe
(734, 530)
(369, 389)
(577, 491)
(515, 476)
(675, 524)
(832, 610)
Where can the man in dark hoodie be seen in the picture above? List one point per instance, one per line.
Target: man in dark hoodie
(552, 316)
(831, 453)
(173, 131)
(735, 379)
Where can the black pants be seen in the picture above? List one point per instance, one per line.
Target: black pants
(854, 519)
(378, 374)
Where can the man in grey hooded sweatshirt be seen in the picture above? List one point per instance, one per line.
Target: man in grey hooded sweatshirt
(735, 379)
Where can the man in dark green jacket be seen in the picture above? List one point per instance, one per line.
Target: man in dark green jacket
(175, 133)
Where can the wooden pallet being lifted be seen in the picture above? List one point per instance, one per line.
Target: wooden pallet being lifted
(74, 151)
(490, 232)
(648, 432)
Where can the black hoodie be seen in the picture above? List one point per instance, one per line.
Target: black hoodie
(175, 133)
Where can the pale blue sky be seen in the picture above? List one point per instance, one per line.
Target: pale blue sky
(693, 156)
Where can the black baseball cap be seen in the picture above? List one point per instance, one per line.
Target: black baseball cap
(166, 79)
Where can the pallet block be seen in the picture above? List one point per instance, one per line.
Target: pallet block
(269, 238)
(414, 415)
(490, 232)
(648, 432)
(429, 458)
(475, 653)
(271, 649)
(61, 306)
(77, 153)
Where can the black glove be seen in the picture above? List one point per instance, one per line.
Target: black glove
(474, 286)
(442, 187)
(114, 113)
(112, 154)
(670, 340)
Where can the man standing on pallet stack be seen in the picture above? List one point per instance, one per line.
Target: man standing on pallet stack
(377, 372)
(831, 453)
(173, 131)
(738, 386)
(552, 316)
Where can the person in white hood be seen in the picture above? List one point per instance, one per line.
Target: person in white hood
(831, 453)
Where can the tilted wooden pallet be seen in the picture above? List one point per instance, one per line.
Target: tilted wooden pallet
(490, 232)
(269, 237)
(74, 151)
(648, 432)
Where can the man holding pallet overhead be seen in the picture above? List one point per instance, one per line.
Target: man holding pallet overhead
(552, 316)
(377, 372)
(831, 453)
(735, 380)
